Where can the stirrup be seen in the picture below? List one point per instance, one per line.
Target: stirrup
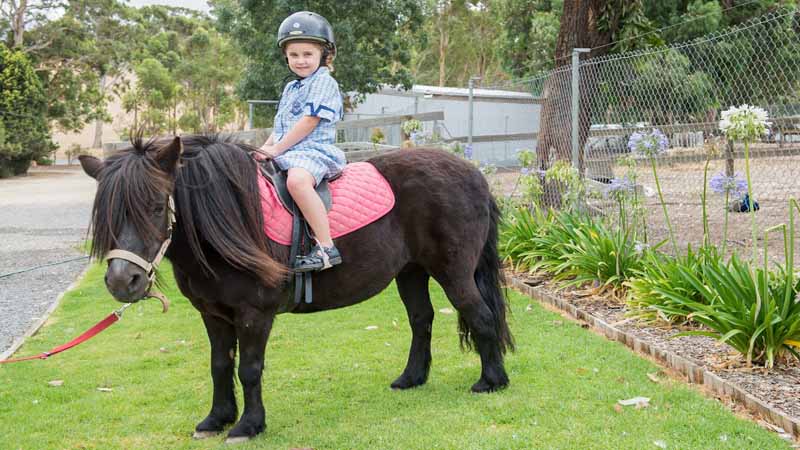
(320, 258)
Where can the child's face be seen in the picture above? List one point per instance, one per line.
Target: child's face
(303, 57)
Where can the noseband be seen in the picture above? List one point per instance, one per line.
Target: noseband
(150, 267)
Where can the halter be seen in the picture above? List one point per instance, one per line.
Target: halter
(150, 267)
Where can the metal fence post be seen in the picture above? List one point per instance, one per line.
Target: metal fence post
(250, 116)
(471, 104)
(576, 104)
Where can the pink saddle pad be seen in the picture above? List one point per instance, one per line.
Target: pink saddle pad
(359, 197)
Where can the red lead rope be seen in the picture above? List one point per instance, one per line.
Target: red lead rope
(88, 334)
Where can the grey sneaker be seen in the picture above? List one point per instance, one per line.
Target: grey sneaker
(320, 258)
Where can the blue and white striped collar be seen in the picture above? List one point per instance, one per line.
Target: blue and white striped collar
(303, 81)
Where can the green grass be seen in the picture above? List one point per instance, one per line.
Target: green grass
(326, 386)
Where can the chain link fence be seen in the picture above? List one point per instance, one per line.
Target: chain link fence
(681, 90)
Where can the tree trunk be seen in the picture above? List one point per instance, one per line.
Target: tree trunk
(98, 123)
(444, 41)
(18, 21)
(580, 28)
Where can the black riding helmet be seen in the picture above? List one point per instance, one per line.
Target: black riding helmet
(307, 26)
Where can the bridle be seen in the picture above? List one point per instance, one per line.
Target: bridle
(151, 266)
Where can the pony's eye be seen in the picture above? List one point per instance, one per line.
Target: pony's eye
(158, 210)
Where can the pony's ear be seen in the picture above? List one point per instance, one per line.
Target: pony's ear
(169, 155)
(91, 165)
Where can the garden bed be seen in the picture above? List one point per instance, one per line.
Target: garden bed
(773, 395)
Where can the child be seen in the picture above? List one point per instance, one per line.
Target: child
(304, 130)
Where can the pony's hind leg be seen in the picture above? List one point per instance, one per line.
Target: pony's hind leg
(222, 336)
(478, 326)
(412, 283)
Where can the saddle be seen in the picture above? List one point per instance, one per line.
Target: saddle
(302, 239)
(357, 197)
(277, 178)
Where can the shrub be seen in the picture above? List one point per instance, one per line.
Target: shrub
(659, 291)
(73, 152)
(377, 136)
(24, 135)
(600, 254)
(752, 310)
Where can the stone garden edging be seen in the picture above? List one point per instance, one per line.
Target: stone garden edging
(695, 373)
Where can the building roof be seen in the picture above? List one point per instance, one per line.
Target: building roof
(453, 93)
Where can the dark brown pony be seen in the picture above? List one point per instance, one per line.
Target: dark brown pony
(443, 225)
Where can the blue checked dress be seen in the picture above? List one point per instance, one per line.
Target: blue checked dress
(317, 95)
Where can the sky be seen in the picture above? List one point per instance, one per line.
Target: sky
(200, 5)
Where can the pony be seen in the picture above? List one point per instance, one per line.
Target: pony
(444, 225)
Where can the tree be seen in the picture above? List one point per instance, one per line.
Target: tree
(16, 16)
(188, 73)
(528, 35)
(157, 91)
(589, 24)
(208, 71)
(81, 55)
(459, 39)
(368, 34)
(24, 134)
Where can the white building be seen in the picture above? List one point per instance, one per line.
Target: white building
(496, 114)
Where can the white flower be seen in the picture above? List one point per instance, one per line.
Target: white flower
(745, 123)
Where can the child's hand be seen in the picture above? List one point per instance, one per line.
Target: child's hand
(267, 151)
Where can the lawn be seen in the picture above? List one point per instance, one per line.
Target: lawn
(327, 379)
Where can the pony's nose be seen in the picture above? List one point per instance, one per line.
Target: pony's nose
(125, 281)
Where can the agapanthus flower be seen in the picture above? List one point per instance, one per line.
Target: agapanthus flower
(468, 151)
(619, 187)
(525, 171)
(745, 123)
(648, 144)
(721, 184)
(419, 137)
(640, 247)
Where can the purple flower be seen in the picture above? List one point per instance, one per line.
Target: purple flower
(525, 171)
(721, 184)
(619, 187)
(468, 152)
(648, 144)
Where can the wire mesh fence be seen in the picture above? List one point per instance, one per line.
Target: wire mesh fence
(681, 90)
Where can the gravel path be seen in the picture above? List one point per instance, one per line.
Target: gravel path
(43, 219)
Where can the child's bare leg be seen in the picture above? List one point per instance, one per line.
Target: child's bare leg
(301, 185)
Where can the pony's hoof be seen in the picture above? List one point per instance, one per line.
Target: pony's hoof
(204, 434)
(483, 386)
(237, 439)
(406, 383)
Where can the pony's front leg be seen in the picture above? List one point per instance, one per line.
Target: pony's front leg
(252, 329)
(222, 336)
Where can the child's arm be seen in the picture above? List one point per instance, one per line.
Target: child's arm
(299, 131)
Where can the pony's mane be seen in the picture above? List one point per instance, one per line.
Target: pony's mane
(216, 197)
(129, 181)
(218, 202)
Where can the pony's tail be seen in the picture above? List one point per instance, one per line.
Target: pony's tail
(490, 279)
